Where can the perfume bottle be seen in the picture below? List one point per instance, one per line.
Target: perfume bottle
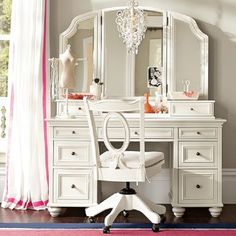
(96, 88)
(147, 107)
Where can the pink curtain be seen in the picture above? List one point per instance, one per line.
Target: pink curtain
(27, 156)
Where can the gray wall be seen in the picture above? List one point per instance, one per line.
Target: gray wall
(215, 17)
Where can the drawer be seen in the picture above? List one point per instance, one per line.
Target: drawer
(197, 133)
(192, 109)
(72, 153)
(198, 154)
(71, 132)
(74, 108)
(73, 186)
(118, 133)
(198, 186)
(158, 133)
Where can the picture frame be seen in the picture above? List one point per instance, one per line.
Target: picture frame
(154, 78)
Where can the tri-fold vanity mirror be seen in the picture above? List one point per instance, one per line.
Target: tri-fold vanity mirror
(173, 42)
(173, 46)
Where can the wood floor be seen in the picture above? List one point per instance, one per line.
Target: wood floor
(77, 215)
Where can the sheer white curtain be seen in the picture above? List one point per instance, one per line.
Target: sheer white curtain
(27, 175)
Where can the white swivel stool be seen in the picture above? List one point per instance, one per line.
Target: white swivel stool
(120, 165)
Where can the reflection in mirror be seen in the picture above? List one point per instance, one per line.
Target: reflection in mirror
(115, 55)
(124, 74)
(82, 46)
(191, 50)
(188, 58)
(150, 54)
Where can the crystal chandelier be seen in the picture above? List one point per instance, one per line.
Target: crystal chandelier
(131, 26)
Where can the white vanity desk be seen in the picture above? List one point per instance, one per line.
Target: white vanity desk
(196, 161)
(173, 43)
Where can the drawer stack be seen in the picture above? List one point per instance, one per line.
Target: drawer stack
(72, 170)
(198, 166)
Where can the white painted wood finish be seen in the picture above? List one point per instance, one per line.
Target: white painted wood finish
(72, 153)
(198, 154)
(199, 186)
(127, 202)
(177, 109)
(188, 136)
(73, 185)
(192, 109)
(190, 126)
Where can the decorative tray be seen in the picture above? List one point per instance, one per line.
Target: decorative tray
(191, 95)
(78, 96)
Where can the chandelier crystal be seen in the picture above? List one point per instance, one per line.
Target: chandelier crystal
(131, 26)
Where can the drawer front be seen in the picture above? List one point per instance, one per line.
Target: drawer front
(70, 132)
(72, 153)
(192, 109)
(197, 133)
(118, 133)
(197, 186)
(158, 133)
(74, 108)
(73, 186)
(198, 154)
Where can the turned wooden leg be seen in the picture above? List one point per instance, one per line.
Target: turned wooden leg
(178, 211)
(56, 211)
(215, 211)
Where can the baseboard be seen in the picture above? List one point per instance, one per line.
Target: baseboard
(2, 180)
(229, 185)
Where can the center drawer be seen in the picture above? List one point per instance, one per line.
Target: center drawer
(198, 154)
(72, 153)
(150, 133)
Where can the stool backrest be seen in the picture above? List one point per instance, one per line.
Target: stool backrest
(113, 110)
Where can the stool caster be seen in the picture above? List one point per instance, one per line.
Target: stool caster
(106, 229)
(155, 228)
(91, 219)
(125, 213)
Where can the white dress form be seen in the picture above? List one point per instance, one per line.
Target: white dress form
(67, 80)
(68, 62)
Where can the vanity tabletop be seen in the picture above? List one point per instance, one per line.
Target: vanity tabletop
(152, 119)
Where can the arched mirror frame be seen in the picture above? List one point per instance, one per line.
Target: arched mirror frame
(203, 39)
(72, 30)
(168, 44)
(130, 59)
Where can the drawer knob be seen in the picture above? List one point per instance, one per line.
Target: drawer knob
(198, 153)
(198, 132)
(79, 108)
(73, 153)
(73, 132)
(136, 132)
(73, 186)
(191, 109)
(198, 186)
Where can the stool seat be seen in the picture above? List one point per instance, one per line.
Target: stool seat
(131, 159)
